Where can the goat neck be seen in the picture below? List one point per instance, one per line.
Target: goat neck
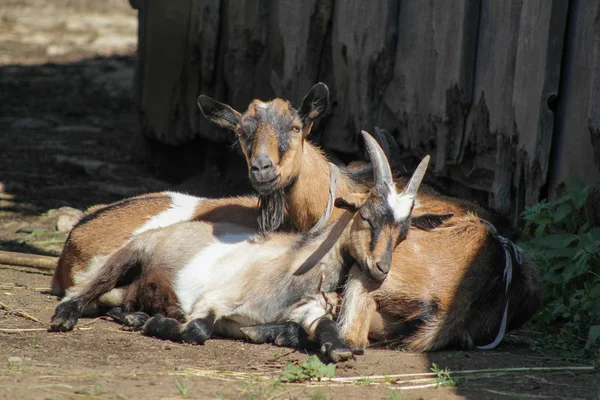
(308, 195)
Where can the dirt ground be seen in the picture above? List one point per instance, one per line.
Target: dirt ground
(68, 141)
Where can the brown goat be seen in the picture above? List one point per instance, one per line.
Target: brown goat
(215, 275)
(445, 288)
(103, 229)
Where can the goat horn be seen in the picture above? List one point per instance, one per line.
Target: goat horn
(381, 167)
(415, 181)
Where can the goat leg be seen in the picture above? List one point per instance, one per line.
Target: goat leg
(356, 312)
(133, 321)
(331, 342)
(66, 315)
(289, 334)
(199, 330)
(163, 328)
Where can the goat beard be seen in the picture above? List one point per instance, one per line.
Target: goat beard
(272, 211)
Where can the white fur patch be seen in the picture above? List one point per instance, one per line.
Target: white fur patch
(401, 205)
(182, 209)
(212, 278)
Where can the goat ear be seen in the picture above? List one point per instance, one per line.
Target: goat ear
(428, 222)
(313, 105)
(351, 202)
(218, 113)
(392, 150)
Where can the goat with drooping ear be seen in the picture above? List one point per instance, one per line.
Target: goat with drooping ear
(216, 272)
(88, 244)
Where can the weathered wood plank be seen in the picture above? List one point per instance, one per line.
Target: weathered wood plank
(577, 114)
(537, 73)
(164, 58)
(485, 159)
(363, 44)
(430, 92)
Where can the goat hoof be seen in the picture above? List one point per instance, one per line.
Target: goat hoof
(197, 331)
(163, 328)
(340, 354)
(117, 314)
(135, 321)
(357, 349)
(65, 317)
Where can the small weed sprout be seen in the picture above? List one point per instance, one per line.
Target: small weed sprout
(95, 389)
(444, 376)
(15, 364)
(397, 395)
(318, 395)
(311, 369)
(33, 342)
(182, 388)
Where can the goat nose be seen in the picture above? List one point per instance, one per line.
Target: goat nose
(261, 162)
(383, 267)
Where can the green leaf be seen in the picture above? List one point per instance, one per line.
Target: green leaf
(580, 267)
(578, 192)
(595, 233)
(593, 336)
(555, 241)
(562, 211)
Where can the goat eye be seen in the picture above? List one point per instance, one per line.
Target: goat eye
(296, 129)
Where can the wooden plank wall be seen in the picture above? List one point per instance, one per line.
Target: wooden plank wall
(505, 94)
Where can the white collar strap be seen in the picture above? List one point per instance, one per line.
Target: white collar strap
(509, 247)
(334, 174)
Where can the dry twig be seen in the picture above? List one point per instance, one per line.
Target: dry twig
(28, 260)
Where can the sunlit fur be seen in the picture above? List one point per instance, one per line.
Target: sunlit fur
(428, 316)
(102, 230)
(196, 270)
(105, 228)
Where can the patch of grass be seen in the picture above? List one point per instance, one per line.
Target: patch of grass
(397, 395)
(15, 364)
(33, 342)
(257, 390)
(95, 389)
(311, 369)
(565, 245)
(318, 395)
(182, 388)
(444, 376)
(364, 381)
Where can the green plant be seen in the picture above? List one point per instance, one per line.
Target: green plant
(182, 388)
(318, 395)
(15, 364)
(33, 342)
(311, 369)
(96, 389)
(364, 381)
(397, 395)
(565, 245)
(255, 388)
(444, 376)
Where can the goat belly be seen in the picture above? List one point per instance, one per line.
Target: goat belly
(216, 278)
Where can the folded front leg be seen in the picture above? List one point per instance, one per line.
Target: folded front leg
(356, 312)
(289, 334)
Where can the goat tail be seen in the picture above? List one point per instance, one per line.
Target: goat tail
(438, 334)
